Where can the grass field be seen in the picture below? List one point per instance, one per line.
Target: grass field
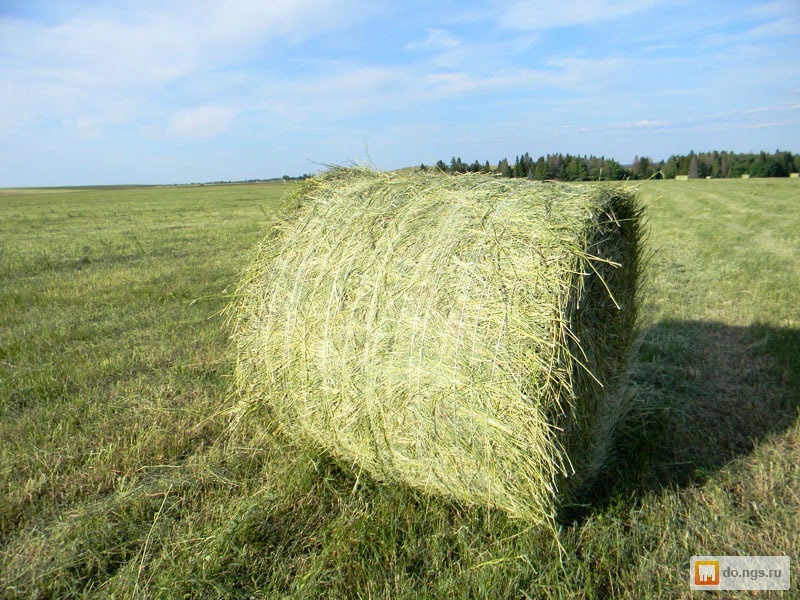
(119, 477)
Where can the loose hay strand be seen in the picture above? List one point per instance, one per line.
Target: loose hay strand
(462, 335)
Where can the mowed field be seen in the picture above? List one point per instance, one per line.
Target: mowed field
(119, 475)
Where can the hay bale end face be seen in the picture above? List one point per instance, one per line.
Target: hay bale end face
(458, 334)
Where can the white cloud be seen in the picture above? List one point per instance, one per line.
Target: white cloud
(752, 118)
(649, 123)
(143, 44)
(337, 90)
(775, 8)
(548, 14)
(203, 121)
(438, 39)
(78, 70)
(84, 127)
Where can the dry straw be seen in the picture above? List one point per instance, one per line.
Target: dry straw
(459, 334)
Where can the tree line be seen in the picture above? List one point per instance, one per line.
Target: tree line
(566, 167)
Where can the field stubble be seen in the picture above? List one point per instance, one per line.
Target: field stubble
(118, 475)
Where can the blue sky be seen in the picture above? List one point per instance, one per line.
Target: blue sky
(178, 91)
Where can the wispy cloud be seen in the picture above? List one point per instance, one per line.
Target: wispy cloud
(344, 91)
(547, 14)
(437, 39)
(646, 123)
(202, 121)
(760, 117)
(76, 71)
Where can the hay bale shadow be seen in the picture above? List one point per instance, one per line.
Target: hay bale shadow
(705, 394)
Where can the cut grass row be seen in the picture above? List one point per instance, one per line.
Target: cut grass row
(117, 474)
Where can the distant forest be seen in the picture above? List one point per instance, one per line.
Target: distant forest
(566, 167)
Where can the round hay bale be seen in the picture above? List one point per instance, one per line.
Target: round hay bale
(454, 333)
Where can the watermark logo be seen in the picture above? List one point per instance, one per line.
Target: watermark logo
(739, 573)
(706, 572)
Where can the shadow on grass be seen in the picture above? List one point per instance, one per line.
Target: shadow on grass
(705, 394)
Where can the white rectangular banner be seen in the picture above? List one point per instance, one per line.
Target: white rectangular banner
(739, 573)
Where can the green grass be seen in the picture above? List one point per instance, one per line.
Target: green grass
(118, 475)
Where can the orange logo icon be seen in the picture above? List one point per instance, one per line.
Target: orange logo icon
(706, 572)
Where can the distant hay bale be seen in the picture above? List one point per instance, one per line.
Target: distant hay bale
(451, 333)
(745, 175)
(682, 177)
(794, 175)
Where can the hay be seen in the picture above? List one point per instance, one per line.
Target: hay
(453, 333)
